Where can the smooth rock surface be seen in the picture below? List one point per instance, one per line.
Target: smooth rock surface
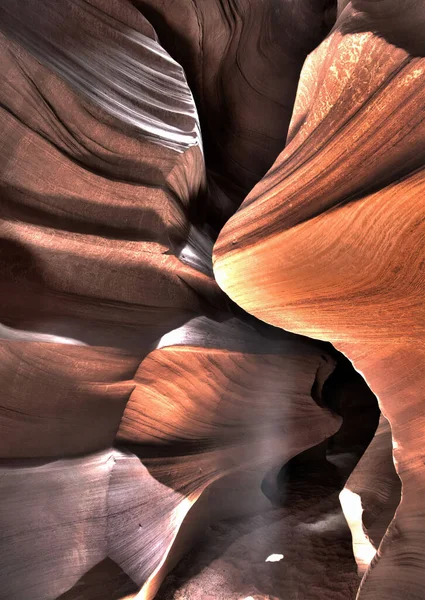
(330, 243)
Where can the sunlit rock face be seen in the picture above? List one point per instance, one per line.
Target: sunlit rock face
(371, 496)
(330, 243)
(142, 401)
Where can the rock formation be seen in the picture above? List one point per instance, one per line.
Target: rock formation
(139, 402)
(329, 243)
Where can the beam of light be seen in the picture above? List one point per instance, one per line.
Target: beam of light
(8, 333)
(197, 251)
(331, 522)
(362, 548)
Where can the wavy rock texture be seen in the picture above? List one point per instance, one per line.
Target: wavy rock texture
(130, 385)
(330, 243)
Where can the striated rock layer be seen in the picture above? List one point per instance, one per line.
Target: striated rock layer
(330, 243)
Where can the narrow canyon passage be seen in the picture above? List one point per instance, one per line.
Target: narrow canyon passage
(211, 322)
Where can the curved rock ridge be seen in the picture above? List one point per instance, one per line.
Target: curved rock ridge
(348, 90)
(64, 519)
(330, 244)
(79, 184)
(119, 67)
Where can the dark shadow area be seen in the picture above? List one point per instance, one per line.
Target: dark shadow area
(399, 22)
(105, 581)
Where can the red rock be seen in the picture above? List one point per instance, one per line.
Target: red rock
(329, 244)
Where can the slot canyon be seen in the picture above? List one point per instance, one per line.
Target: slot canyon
(212, 268)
